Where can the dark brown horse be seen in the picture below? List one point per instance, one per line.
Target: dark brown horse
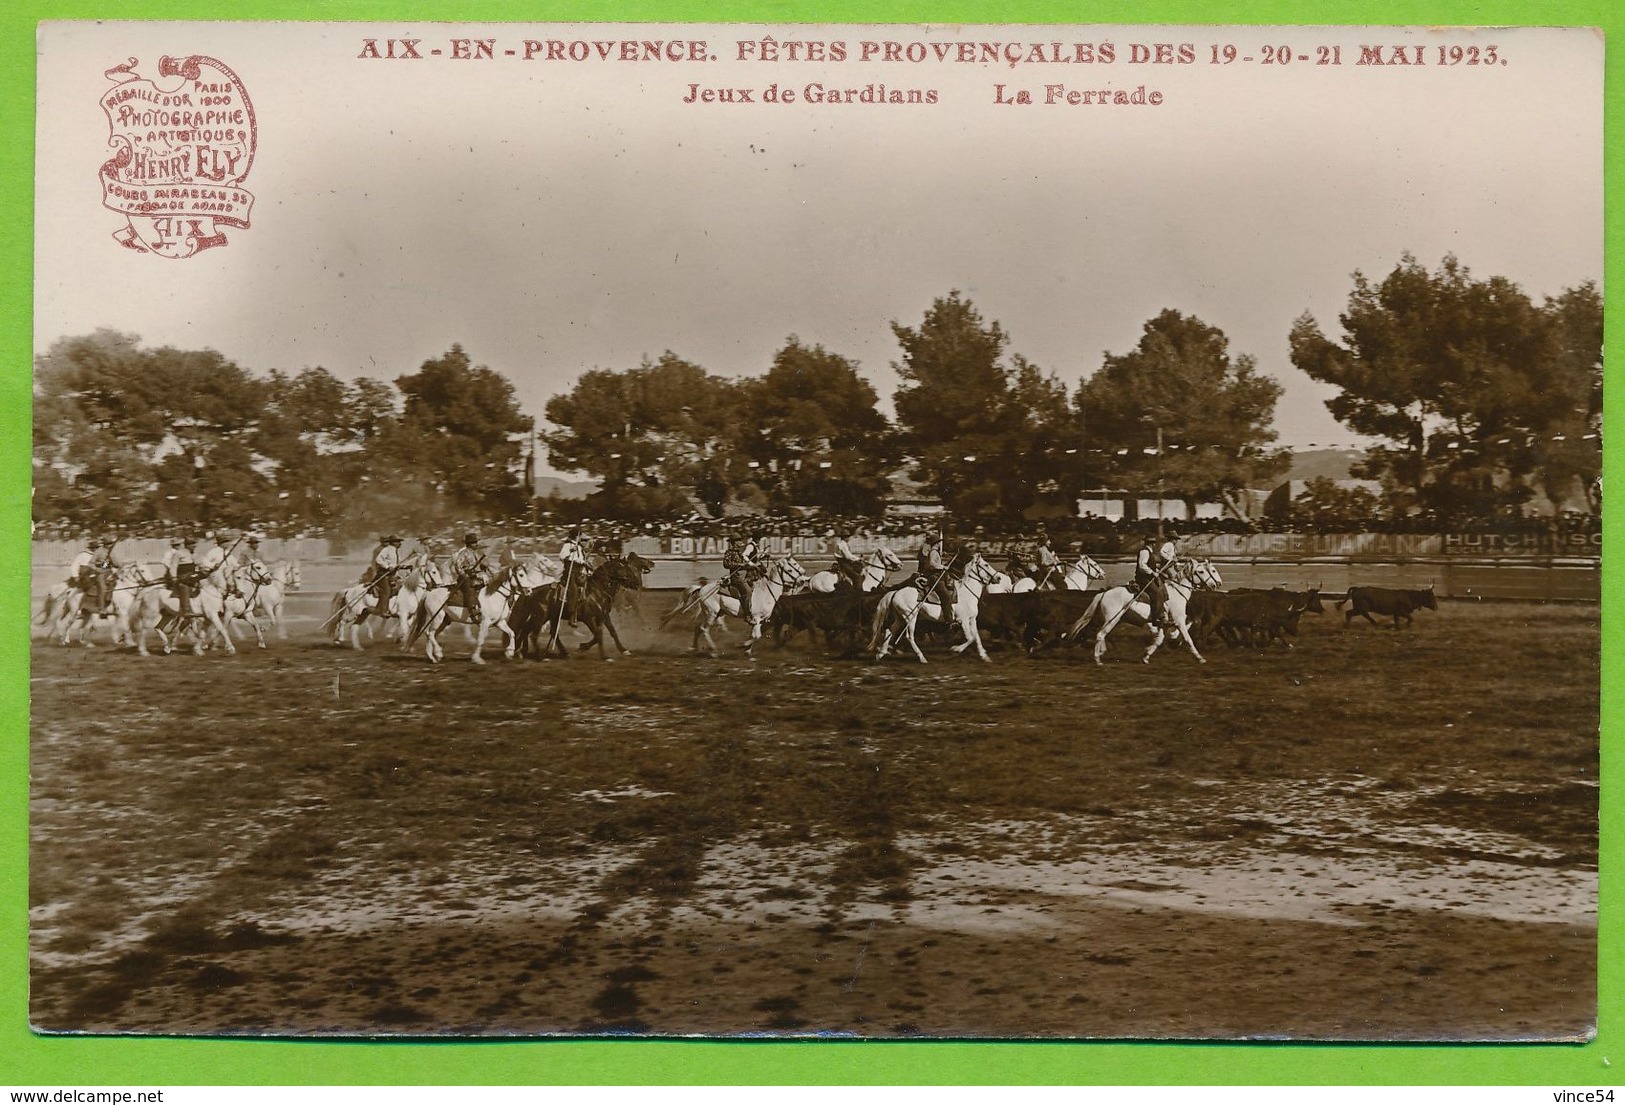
(540, 615)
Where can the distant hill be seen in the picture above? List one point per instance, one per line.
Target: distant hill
(567, 489)
(1312, 464)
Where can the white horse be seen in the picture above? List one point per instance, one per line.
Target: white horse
(257, 592)
(876, 567)
(63, 603)
(65, 607)
(157, 609)
(497, 599)
(266, 597)
(904, 606)
(1074, 575)
(355, 604)
(1116, 604)
(783, 573)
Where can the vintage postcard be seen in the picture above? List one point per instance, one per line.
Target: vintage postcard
(982, 532)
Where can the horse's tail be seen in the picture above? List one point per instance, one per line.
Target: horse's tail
(685, 602)
(48, 611)
(882, 618)
(1085, 618)
(420, 621)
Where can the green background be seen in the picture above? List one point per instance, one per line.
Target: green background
(29, 1060)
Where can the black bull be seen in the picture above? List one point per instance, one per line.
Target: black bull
(1387, 601)
(1032, 617)
(842, 615)
(1250, 616)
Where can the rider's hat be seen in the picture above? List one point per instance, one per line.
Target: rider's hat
(392, 540)
(253, 539)
(188, 540)
(471, 539)
(176, 542)
(933, 538)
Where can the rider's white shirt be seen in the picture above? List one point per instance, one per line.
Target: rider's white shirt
(210, 559)
(386, 558)
(843, 550)
(574, 551)
(174, 558)
(84, 560)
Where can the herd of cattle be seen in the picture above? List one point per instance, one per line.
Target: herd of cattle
(1041, 619)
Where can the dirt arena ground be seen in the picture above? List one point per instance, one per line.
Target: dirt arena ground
(1376, 836)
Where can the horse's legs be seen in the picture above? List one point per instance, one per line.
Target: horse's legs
(702, 628)
(1105, 631)
(1190, 640)
(975, 635)
(609, 624)
(908, 634)
(1158, 635)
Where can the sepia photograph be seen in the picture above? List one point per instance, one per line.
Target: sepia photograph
(801, 531)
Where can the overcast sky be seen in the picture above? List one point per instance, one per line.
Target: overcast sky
(555, 217)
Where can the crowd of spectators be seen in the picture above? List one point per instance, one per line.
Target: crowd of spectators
(1087, 533)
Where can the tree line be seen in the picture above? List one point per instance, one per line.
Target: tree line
(1480, 399)
(126, 435)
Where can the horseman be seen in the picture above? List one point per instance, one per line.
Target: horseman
(82, 568)
(743, 563)
(1151, 565)
(91, 572)
(577, 565)
(847, 564)
(936, 574)
(381, 575)
(470, 573)
(250, 563)
(250, 556)
(209, 558)
(1047, 568)
(420, 557)
(180, 570)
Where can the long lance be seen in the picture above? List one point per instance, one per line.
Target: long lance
(1154, 577)
(1078, 625)
(335, 614)
(417, 630)
(564, 597)
(945, 569)
(699, 590)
